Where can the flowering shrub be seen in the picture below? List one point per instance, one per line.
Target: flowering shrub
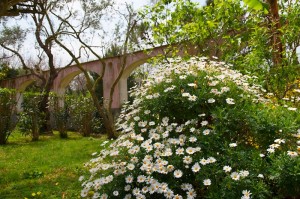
(198, 129)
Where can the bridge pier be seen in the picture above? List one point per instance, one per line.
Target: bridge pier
(19, 100)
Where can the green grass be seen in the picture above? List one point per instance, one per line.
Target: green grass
(50, 166)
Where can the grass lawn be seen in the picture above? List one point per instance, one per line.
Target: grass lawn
(49, 168)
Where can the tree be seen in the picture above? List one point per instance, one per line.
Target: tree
(92, 13)
(255, 39)
(11, 40)
(7, 72)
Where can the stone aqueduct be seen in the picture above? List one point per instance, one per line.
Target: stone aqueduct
(113, 66)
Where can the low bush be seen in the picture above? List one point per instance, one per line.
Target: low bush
(198, 129)
(31, 119)
(7, 111)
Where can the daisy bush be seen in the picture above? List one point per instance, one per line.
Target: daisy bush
(197, 129)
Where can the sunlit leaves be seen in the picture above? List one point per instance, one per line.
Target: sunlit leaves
(257, 5)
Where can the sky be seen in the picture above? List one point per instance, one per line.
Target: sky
(137, 4)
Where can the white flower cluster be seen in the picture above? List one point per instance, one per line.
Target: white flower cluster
(154, 150)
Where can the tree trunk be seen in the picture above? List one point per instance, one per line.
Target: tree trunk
(109, 126)
(44, 106)
(107, 117)
(35, 128)
(2, 138)
(276, 35)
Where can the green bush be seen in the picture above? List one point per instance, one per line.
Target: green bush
(7, 110)
(82, 114)
(60, 115)
(198, 129)
(31, 119)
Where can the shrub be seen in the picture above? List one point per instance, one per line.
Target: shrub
(198, 129)
(83, 114)
(60, 115)
(31, 119)
(7, 110)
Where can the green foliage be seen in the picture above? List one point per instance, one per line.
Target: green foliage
(33, 174)
(60, 114)
(7, 72)
(31, 119)
(257, 5)
(235, 33)
(7, 110)
(82, 113)
(198, 129)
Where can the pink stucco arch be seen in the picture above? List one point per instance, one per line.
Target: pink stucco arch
(113, 67)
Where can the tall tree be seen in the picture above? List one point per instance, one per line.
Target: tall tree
(10, 36)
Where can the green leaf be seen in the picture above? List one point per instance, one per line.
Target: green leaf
(256, 5)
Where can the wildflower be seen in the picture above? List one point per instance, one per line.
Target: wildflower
(292, 109)
(185, 95)
(262, 155)
(147, 112)
(151, 123)
(230, 101)
(244, 173)
(191, 194)
(292, 154)
(196, 167)
(211, 160)
(129, 179)
(169, 194)
(177, 174)
(187, 160)
(179, 151)
(127, 187)
(211, 100)
(235, 176)
(260, 175)
(206, 131)
(104, 196)
(192, 84)
(135, 191)
(232, 144)
(225, 89)
(190, 150)
(246, 193)
(145, 189)
(271, 150)
(227, 168)
(115, 193)
(136, 118)
(279, 141)
(182, 77)
(192, 98)
(207, 182)
(81, 178)
(193, 139)
(141, 178)
(170, 168)
(203, 161)
(177, 196)
(204, 123)
(130, 166)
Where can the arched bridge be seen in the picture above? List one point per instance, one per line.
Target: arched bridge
(113, 67)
